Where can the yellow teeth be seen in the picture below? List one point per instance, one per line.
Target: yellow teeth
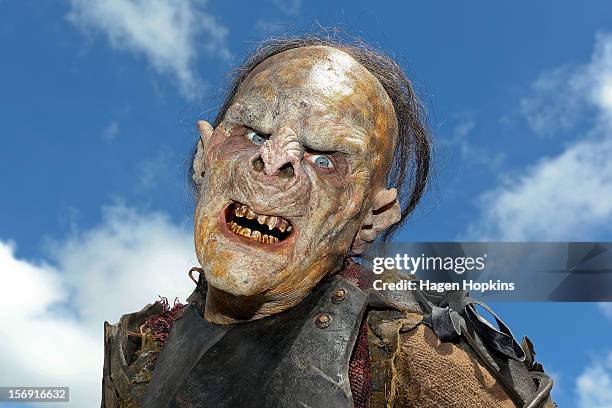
(268, 239)
(272, 222)
(254, 235)
(241, 211)
(282, 225)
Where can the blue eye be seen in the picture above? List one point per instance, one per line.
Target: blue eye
(322, 161)
(255, 137)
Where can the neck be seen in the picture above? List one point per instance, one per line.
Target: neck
(224, 308)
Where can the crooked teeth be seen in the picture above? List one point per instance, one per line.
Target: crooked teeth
(282, 225)
(254, 235)
(241, 210)
(272, 222)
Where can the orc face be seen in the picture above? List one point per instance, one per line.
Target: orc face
(293, 173)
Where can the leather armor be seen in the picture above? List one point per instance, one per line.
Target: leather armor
(300, 358)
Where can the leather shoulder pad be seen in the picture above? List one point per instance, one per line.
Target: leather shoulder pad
(121, 342)
(385, 291)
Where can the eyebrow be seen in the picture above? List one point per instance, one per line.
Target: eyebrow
(246, 112)
(349, 143)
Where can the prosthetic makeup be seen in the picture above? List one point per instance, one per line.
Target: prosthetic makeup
(292, 179)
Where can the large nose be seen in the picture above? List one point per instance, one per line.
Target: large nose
(280, 155)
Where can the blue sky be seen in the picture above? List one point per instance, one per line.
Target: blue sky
(98, 101)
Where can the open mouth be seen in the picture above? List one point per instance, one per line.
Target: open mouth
(266, 229)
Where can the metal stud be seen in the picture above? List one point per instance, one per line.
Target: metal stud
(323, 320)
(338, 296)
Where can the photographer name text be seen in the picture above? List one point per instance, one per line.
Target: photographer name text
(427, 285)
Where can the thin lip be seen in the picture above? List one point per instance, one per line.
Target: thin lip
(277, 247)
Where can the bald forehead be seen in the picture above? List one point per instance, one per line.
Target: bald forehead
(325, 70)
(328, 83)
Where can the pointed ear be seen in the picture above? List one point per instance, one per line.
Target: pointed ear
(383, 213)
(206, 131)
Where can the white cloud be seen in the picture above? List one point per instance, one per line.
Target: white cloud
(594, 385)
(52, 312)
(556, 101)
(567, 196)
(561, 96)
(169, 33)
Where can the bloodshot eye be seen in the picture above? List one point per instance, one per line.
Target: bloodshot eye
(255, 137)
(322, 161)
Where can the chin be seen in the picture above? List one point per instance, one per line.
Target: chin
(230, 267)
(244, 252)
(241, 279)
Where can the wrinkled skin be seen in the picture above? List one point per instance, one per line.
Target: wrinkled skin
(304, 104)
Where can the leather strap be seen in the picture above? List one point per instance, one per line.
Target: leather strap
(454, 316)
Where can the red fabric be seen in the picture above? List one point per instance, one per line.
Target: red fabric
(359, 370)
(359, 367)
(161, 324)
